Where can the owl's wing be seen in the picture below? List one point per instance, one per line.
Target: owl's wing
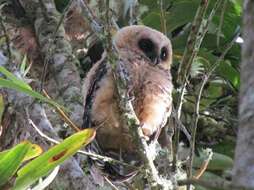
(112, 171)
(92, 86)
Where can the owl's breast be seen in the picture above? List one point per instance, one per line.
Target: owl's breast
(152, 100)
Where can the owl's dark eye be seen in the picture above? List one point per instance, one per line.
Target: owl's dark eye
(164, 54)
(148, 47)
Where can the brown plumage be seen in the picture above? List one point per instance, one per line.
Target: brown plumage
(146, 56)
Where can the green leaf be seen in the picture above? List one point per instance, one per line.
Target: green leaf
(23, 64)
(1, 108)
(45, 163)
(13, 78)
(43, 184)
(61, 4)
(33, 151)
(214, 90)
(181, 12)
(218, 162)
(229, 73)
(232, 19)
(152, 20)
(10, 161)
(9, 84)
(208, 176)
(226, 146)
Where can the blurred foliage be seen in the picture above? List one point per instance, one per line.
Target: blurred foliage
(218, 108)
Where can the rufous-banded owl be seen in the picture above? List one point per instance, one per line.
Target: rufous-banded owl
(146, 56)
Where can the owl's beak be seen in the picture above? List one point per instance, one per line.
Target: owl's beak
(156, 61)
(154, 58)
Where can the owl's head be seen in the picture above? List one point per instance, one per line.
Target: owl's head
(145, 41)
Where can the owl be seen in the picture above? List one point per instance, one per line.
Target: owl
(145, 55)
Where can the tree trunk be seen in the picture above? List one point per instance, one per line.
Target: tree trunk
(243, 173)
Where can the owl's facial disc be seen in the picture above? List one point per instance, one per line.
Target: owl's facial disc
(150, 50)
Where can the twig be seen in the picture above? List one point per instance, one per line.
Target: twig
(205, 23)
(213, 184)
(94, 23)
(52, 40)
(133, 16)
(93, 155)
(190, 51)
(224, 6)
(162, 17)
(45, 68)
(111, 184)
(194, 129)
(205, 79)
(196, 36)
(227, 48)
(198, 31)
(180, 124)
(177, 127)
(63, 115)
(41, 133)
(62, 18)
(204, 165)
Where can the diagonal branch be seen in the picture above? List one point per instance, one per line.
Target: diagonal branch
(213, 184)
(192, 42)
(198, 31)
(198, 99)
(196, 36)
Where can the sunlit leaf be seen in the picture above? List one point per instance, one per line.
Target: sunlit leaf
(10, 161)
(33, 151)
(45, 163)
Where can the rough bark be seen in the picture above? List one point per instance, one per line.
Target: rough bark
(65, 85)
(244, 156)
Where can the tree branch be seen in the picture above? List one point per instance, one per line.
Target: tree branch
(198, 99)
(213, 184)
(198, 31)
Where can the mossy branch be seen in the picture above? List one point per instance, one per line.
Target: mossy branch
(198, 31)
